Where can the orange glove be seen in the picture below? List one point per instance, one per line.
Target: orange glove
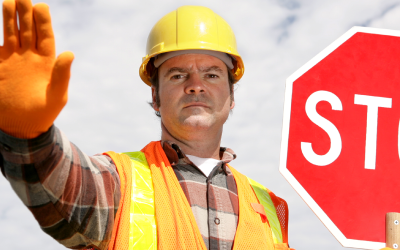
(33, 83)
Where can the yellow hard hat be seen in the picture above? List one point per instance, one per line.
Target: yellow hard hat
(190, 28)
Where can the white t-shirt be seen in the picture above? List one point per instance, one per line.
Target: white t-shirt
(206, 165)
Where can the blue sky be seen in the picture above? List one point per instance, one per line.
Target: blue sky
(108, 110)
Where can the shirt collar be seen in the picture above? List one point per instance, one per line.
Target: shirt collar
(174, 153)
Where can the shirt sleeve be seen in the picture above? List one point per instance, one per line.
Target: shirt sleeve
(74, 197)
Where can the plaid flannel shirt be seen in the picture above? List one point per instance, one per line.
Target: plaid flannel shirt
(74, 197)
(213, 199)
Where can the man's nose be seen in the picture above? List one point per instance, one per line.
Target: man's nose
(194, 85)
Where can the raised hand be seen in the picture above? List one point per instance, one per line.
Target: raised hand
(33, 83)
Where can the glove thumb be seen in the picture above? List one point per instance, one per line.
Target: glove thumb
(58, 88)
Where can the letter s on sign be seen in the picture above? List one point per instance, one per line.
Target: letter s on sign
(327, 126)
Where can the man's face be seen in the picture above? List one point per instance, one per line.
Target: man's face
(194, 93)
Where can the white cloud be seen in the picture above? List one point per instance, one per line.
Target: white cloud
(388, 21)
(107, 108)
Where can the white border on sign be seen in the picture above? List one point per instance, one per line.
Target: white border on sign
(285, 138)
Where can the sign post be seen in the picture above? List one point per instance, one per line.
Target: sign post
(340, 138)
(393, 230)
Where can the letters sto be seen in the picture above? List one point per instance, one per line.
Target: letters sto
(372, 102)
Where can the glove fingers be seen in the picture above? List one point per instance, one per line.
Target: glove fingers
(58, 89)
(10, 27)
(26, 26)
(45, 36)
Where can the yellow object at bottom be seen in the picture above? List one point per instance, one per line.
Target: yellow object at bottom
(143, 229)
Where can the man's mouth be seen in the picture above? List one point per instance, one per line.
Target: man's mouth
(196, 104)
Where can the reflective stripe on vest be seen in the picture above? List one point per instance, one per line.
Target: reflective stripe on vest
(143, 230)
(265, 199)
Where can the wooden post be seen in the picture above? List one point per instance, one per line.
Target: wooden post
(393, 230)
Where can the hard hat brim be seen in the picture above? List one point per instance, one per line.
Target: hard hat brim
(146, 70)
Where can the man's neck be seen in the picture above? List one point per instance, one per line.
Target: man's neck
(200, 143)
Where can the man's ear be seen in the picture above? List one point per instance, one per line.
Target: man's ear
(232, 98)
(232, 104)
(154, 99)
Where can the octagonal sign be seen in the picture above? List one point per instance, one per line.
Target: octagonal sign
(340, 136)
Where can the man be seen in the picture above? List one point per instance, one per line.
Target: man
(178, 193)
(88, 202)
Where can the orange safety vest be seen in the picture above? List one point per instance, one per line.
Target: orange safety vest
(176, 226)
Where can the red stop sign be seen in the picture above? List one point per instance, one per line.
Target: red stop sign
(340, 137)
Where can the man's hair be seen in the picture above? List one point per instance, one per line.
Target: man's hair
(155, 83)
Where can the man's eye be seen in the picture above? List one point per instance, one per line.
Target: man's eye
(177, 77)
(212, 76)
